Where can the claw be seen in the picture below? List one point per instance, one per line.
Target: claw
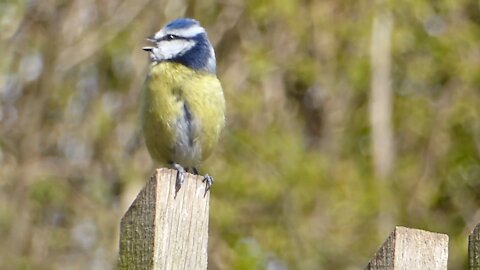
(208, 180)
(180, 177)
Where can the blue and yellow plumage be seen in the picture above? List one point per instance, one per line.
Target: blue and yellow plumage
(183, 108)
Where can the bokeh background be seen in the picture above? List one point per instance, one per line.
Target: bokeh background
(345, 118)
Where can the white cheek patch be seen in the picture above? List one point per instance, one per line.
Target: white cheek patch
(170, 49)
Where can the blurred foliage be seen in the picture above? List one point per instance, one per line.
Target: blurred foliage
(295, 187)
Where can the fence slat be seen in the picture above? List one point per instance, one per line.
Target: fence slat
(412, 249)
(474, 249)
(160, 231)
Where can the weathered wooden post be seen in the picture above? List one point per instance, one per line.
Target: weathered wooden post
(412, 249)
(474, 249)
(161, 231)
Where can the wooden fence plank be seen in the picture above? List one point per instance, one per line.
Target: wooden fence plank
(474, 249)
(161, 231)
(411, 249)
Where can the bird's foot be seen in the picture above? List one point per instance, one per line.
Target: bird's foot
(180, 177)
(208, 180)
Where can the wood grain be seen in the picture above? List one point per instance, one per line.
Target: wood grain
(161, 231)
(412, 249)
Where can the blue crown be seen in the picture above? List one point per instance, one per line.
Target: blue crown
(181, 23)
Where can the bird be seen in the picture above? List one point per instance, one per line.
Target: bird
(182, 102)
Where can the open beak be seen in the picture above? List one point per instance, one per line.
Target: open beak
(151, 39)
(148, 48)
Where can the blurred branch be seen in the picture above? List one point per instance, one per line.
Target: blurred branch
(93, 41)
(381, 95)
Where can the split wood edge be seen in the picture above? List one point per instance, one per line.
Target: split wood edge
(161, 231)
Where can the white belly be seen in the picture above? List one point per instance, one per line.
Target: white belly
(187, 150)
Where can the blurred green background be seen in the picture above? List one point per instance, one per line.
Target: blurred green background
(345, 118)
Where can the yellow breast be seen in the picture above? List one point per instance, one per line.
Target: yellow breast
(183, 112)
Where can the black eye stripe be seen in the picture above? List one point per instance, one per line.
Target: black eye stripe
(172, 37)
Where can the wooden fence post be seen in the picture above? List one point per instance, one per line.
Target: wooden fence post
(412, 249)
(474, 249)
(160, 231)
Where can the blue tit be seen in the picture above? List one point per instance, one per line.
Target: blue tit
(182, 104)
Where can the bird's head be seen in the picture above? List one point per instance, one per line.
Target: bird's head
(183, 41)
